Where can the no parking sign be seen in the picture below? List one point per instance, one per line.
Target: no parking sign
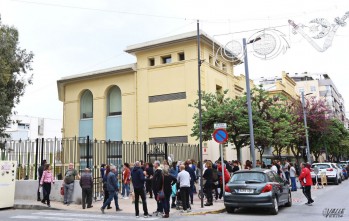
(220, 135)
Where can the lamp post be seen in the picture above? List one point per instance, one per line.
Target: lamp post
(248, 95)
(305, 126)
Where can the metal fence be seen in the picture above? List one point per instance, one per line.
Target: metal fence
(84, 152)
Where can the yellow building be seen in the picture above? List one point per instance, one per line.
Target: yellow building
(147, 101)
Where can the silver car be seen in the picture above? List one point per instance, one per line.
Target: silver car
(257, 188)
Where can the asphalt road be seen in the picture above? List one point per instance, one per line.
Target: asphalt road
(332, 197)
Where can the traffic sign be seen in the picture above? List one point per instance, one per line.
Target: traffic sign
(220, 135)
(220, 125)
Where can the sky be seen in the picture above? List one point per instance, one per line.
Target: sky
(70, 37)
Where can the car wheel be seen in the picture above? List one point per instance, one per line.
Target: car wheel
(340, 180)
(275, 209)
(289, 201)
(336, 181)
(230, 209)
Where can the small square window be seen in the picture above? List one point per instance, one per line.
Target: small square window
(224, 67)
(166, 59)
(181, 56)
(151, 61)
(312, 88)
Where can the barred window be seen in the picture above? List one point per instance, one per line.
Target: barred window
(167, 97)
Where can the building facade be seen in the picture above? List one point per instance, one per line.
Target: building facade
(149, 100)
(29, 128)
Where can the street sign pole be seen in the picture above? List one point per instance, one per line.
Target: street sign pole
(222, 163)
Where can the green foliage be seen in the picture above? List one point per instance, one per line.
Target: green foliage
(216, 108)
(14, 65)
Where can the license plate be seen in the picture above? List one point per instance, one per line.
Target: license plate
(245, 190)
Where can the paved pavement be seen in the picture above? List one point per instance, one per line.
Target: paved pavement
(125, 204)
(128, 208)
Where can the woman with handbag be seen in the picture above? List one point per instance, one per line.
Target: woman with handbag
(45, 183)
(166, 189)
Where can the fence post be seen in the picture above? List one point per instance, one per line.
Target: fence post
(87, 153)
(36, 157)
(166, 151)
(42, 150)
(145, 151)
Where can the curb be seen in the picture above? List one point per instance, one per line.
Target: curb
(33, 207)
(206, 212)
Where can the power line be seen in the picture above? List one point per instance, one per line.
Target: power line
(101, 10)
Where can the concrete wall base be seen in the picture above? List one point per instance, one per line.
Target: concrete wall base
(27, 190)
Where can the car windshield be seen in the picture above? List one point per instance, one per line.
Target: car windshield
(249, 177)
(321, 166)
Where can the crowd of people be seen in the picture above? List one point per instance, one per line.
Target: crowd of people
(164, 182)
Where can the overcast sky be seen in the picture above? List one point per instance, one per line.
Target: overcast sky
(75, 36)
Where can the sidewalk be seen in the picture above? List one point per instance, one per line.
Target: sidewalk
(125, 204)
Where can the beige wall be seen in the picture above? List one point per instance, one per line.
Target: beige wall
(142, 120)
(99, 89)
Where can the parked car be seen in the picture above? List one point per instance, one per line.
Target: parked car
(345, 169)
(257, 188)
(333, 174)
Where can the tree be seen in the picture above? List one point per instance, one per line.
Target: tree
(14, 65)
(216, 108)
(317, 122)
(336, 140)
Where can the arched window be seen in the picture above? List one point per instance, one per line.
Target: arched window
(86, 105)
(114, 101)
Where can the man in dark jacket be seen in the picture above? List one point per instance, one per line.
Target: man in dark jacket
(86, 183)
(40, 171)
(113, 189)
(192, 179)
(156, 184)
(138, 179)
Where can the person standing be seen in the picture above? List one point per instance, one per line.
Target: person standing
(191, 172)
(235, 166)
(46, 181)
(306, 182)
(184, 184)
(138, 180)
(113, 189)
(86, 183)
(40, 171)
(126, 174)
(156, 183)
(68, 183)
(208, 184)
(226, 175)
(149, 175)
(286, 170)
(293, 177)
(105, 189)
(167, 183)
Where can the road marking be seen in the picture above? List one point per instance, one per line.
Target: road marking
(76, 216)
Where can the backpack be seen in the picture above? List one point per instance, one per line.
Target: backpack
(214, 175)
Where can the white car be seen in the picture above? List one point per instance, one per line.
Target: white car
(333, 174)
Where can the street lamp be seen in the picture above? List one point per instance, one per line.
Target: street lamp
(305, 126)
(248, 93)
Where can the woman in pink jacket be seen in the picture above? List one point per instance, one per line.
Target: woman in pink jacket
(45, 182)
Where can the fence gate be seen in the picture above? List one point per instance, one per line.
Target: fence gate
(157, 152)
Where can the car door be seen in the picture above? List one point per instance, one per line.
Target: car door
(283, 191)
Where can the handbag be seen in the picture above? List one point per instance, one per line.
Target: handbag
(62, 191)
(161, 194)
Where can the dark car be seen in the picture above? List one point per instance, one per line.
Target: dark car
(257, 188)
